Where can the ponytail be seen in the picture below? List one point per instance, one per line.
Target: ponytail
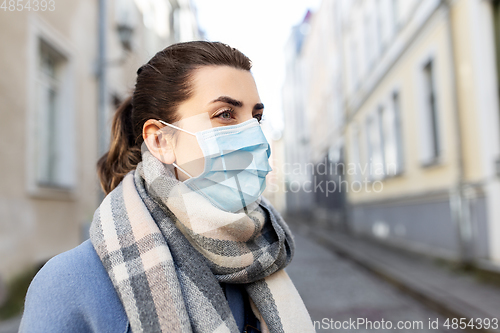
(124, 153)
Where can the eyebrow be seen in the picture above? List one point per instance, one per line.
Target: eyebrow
(232, 101)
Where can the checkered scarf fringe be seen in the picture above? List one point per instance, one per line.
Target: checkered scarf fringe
(166, 250)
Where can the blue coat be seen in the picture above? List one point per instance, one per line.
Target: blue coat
(73, 293)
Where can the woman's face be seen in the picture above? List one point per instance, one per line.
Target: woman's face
(222, 96)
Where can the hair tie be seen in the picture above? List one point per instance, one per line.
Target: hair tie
(153, 67)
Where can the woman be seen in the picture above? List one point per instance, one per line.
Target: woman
(183, 241)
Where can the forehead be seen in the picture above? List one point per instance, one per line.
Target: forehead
(210, 82)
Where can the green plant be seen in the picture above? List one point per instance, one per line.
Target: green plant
(16, 291)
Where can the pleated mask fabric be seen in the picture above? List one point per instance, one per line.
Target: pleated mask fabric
(236, 162)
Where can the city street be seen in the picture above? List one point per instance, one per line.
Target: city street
(379, 144)
(336, 289)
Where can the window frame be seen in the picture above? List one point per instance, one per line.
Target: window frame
(41, 32)
(372, 125)
(386, 107)
(426, 157)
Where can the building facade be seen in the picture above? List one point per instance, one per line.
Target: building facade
(49, 92)
(420, 123)
(296, 132)
(314, 117)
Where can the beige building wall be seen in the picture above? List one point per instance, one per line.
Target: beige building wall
(476, 61)
(404, 76)
(429, 40)
(40, 221)
(37, 223)
(322, 84)
(296, 133)
(462, 175)
(441, 196)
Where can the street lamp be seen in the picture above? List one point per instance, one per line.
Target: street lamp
(125, 28)
(125, 19)
(125, 33)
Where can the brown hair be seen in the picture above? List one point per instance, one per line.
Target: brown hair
(162, 84)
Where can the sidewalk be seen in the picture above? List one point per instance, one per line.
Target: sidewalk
(455, 294)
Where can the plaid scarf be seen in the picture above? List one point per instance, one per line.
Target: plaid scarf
(166, 250)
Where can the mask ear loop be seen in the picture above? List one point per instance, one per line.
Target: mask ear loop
(180, 129)
(183, 171)
(173, 126)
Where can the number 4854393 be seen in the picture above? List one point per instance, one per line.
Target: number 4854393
(474, 323)
(29, 5)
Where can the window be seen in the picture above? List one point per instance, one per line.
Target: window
(53, 137)
(338, 111)
(377, 29)
(387, 22)
(374, 145)
(369, 47)
(431, 147)
(353, 59)
(372, 34)
(398, 129)
(357, 168)
(395, 14)
(392, 140)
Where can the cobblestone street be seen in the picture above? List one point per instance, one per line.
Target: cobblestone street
(337, 289)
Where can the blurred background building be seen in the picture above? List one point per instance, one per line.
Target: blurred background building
(393, 109)
(65, 68)
(391, 118)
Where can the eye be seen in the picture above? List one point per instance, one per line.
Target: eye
(225, 114)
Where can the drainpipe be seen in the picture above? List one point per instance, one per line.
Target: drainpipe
(102, 81)
(102, 117)
(459, 203)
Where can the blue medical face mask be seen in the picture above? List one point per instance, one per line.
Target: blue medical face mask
(236, 164)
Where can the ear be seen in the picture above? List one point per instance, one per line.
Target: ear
(159, 144)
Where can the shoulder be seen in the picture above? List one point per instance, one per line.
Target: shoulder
(79, 267)
(73, 292)
(69, 263)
